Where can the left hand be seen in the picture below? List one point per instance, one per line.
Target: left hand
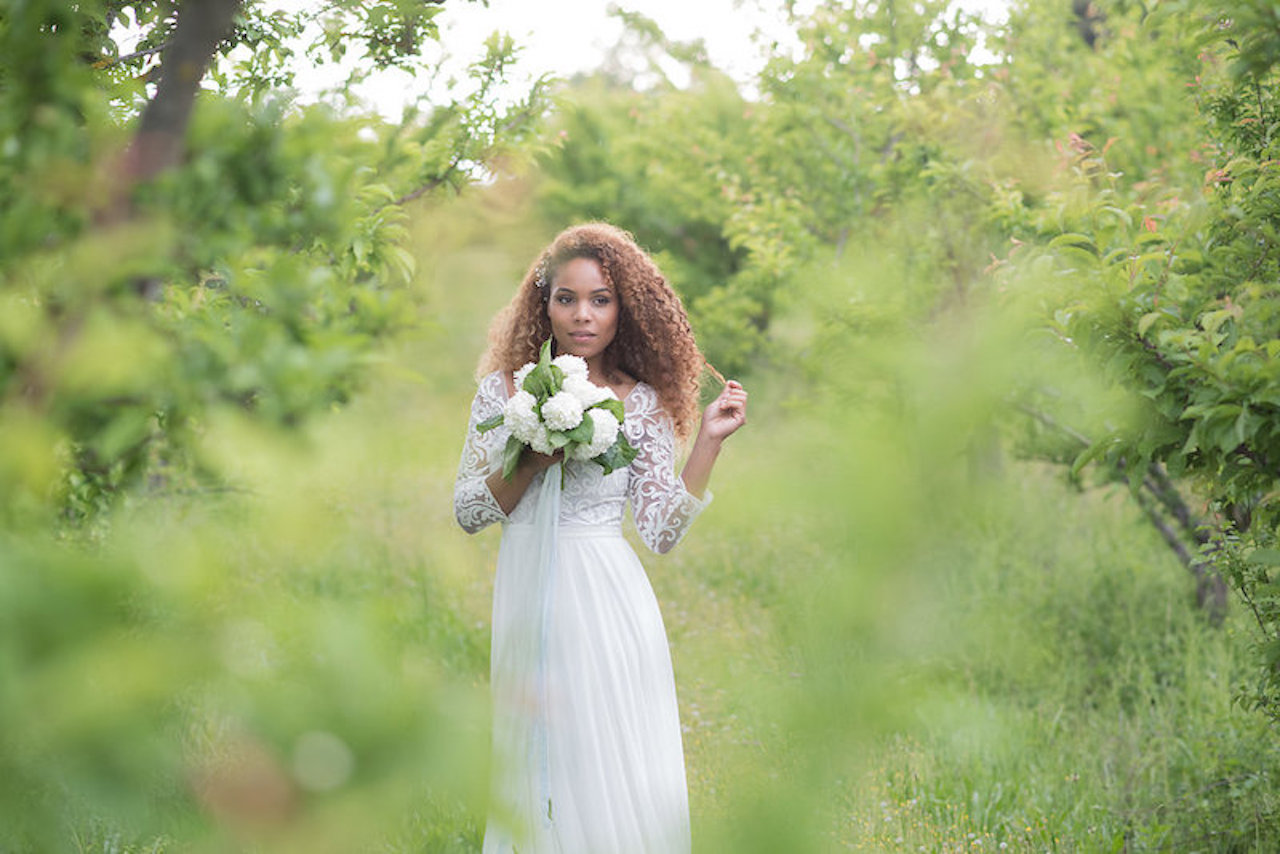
(724, 415)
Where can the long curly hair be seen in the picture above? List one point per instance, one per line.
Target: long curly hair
(654, 341)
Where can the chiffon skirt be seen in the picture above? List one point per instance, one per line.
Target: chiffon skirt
(587, 757)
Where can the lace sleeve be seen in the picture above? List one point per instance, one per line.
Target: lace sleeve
(663, 509)
(473, 502)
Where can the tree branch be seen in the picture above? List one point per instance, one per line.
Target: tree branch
(1211, 590)
(425, 188)
(129, 57)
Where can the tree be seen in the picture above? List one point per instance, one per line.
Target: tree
(179, 252)
(246, 253)
(1174, 297)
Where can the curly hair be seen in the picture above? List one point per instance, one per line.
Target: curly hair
(654, 341)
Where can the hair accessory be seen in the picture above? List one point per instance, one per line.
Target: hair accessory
(540, 276)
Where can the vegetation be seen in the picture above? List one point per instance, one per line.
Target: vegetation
(994, 565)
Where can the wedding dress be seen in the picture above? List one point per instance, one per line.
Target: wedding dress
(587, 755)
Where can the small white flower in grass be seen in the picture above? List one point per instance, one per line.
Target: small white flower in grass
(562, 411)
(524, 372)
(518, 414)
(586, 391)
(573, 366)
(604, 434)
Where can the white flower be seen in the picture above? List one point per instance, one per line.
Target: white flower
(586, 391)
(573, 366)
(562, 411)
(518, 414)
(541, 441)
(604, 434)
(522, 373)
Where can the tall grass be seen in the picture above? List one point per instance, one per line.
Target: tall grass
(884, 639)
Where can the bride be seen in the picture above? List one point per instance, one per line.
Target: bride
(587, 757)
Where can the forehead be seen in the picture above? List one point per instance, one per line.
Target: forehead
(581, 274)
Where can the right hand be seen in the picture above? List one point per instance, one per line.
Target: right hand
(537, 462)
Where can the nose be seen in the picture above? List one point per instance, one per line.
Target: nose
(582, 310)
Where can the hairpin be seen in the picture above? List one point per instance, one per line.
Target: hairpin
(540, 275)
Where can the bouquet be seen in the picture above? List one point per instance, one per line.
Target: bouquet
(555, 406)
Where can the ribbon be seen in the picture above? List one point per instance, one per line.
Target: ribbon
(546, 524)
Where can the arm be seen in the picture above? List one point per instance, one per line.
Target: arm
(721, 419)
(661, 503)
(474, 504)
(509, 492)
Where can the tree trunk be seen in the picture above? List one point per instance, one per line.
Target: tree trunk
(202, 24)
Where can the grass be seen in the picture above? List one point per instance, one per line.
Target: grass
(876, 649)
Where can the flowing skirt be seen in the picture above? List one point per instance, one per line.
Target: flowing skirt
(586, 741)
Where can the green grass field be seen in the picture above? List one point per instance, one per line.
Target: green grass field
(879, 646)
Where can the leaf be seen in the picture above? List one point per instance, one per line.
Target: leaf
(1147, 319)
(1088, 455)
(1071, 239)
(619, 455)
(538, 384)
(489, 423)
(511, 456)
(583, 432)
(612, 405)
(558, 439)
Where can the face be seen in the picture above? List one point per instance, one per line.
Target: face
(583, 308)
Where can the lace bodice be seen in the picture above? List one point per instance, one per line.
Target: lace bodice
(662, 508)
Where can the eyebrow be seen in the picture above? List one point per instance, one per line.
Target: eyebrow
(607, 291)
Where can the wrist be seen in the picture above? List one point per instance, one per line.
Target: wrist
(708, 439)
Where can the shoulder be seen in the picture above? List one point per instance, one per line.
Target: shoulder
(492, 388)
(642, 399)
(645, 416)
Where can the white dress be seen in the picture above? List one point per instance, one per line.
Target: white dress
(586, 741)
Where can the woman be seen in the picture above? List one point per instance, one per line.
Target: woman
(587, 752)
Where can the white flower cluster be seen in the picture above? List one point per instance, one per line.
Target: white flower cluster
(562, 411)
(525, 425)
(552, 400)
(606, 432)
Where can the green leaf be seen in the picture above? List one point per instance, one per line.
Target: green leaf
(583, 432)
(1088, 455)
(511, 456)
(612, 405)
(619, 455)
(537, 384)
(1081, 241)
(1147, 319)
(558, 439)
(489, 423)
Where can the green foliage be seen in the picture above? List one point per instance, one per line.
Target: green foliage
(661, 164)
(259, 275)
(259, 631)
(1170, 290)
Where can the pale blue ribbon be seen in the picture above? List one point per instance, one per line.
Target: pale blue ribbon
(546, 523)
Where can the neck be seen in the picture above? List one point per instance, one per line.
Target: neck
(597, 372)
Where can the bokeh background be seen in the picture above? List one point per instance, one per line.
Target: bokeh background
(991, 567)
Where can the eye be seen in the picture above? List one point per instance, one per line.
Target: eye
(564, 299)
(602, 300)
